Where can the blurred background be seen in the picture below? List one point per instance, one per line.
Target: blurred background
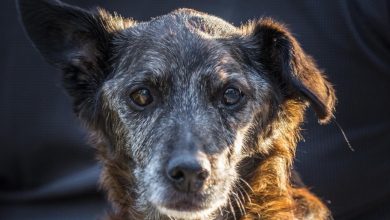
(47, 171)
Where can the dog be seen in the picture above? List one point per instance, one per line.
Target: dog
(191, 117)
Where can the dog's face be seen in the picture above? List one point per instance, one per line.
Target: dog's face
(185, 97)
(186, 104)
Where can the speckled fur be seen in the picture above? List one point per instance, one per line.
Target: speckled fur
(186, 58)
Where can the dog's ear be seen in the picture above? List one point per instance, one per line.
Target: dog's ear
(276, 50)
(74, 40)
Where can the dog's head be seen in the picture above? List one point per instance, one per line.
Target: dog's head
(183, 96)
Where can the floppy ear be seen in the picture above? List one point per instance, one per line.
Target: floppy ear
(281, 55)
(74, 40)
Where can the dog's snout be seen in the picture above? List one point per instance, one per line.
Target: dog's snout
(188, 173)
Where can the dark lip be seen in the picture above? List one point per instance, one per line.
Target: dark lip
(184, 206)
(185, 202)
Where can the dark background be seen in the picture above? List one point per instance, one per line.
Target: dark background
(48, 172)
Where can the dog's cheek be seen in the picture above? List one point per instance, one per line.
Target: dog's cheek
(152, 180)
(239, 147)
(223, 178)
(240, 124)
(149, 137)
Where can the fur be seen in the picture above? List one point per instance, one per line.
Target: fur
(187, 60)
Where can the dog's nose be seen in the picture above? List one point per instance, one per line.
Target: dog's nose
(188, 173)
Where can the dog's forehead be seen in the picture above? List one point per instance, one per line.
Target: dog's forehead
(192, 20)
(181, 43)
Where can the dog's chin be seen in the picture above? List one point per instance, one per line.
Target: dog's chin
(189, 208)
(182, 214)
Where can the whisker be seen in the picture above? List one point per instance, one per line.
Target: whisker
(232, 209)
(243, 190)
(239, 204)
(247, 184)
(220, 211)
(242, 199)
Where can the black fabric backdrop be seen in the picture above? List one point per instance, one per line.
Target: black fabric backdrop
(48, 172)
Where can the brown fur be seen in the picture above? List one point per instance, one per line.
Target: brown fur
(273, 196)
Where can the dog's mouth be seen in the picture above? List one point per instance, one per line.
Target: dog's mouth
(194, 214)
(189, 206)
(189, 202)
(186, 209)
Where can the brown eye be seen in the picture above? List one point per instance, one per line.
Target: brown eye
(141, 97)
(231, 96)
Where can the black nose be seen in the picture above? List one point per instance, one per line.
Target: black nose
(188, 173)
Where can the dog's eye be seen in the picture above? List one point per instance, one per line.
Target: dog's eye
(231, 96)
(141, 97)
